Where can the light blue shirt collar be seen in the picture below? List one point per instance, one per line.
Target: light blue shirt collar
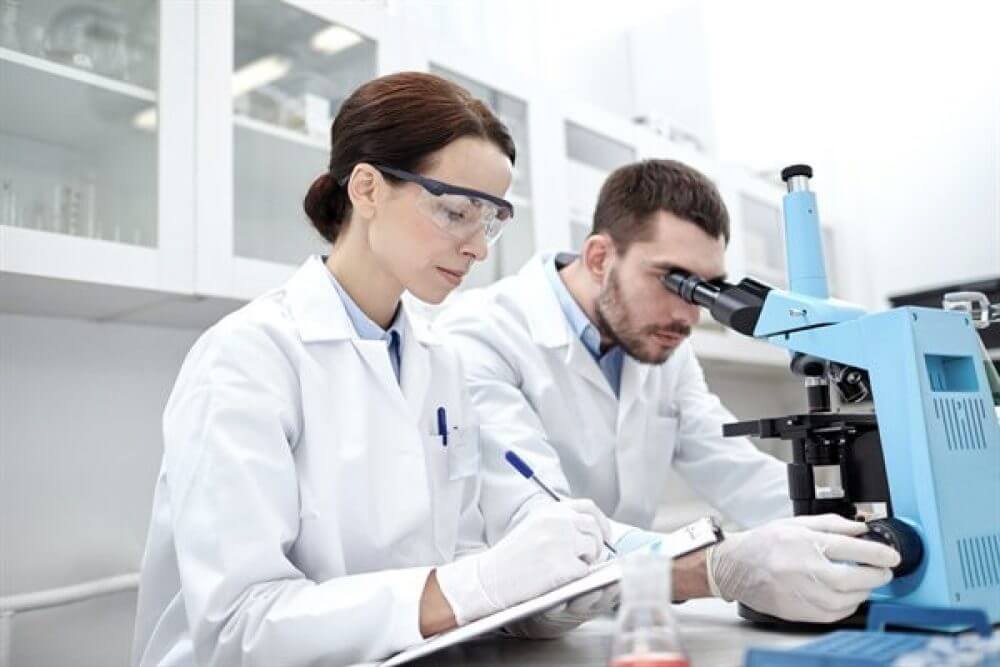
(368, 329)
(611, 361)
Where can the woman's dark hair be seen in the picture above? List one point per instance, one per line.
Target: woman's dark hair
(397, 120)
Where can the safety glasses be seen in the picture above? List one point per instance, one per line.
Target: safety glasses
(461, 212)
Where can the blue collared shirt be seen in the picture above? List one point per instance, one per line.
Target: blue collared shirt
(368, 330)
(611, 361)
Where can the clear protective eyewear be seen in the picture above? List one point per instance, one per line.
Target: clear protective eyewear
(461, 212)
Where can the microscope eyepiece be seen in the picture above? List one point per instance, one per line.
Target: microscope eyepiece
(735, 306)
(691, 287)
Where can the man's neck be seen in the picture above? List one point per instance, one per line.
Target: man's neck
(584, 292)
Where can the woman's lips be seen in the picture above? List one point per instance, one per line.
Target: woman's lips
(453, 277)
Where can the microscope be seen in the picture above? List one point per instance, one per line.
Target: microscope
(923, 469)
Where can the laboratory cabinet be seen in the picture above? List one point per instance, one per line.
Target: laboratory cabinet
(154, 156)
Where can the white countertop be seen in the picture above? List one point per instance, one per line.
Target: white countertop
(711, 631)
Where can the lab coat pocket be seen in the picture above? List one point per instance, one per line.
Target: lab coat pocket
(446, 495)
(463, 453)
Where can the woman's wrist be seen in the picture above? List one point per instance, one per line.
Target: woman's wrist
(436, 614)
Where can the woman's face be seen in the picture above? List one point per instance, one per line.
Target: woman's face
(424, 258)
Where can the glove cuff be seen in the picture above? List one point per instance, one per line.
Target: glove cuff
(710, 573)
(461, 583)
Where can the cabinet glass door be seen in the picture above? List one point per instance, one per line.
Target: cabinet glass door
(591, 157)
(517, 244)
(763, 241)
(78, 140)
(292, 71)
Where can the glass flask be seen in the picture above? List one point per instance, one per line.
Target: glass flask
(646, 632)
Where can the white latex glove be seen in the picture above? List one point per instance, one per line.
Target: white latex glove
(555, 544)
(806, 568)
(563, 618)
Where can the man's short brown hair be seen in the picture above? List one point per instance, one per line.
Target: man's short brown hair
(633, 193)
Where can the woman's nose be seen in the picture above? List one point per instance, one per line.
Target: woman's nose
(476, 246)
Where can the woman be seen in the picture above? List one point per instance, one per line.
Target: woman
(309, 509)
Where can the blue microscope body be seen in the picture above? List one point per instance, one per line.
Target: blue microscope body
(931, 451)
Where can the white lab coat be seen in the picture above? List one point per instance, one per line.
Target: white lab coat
(538, 391)
(302, 499)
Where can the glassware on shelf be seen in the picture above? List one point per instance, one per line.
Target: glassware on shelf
(309, 104)
(646, 632)
(33, 40)
(142, 32)
(266, 103)
(73, 205)
(39, 216)
(9, 24)
(66, 204)
(89, 37)
(9, 211)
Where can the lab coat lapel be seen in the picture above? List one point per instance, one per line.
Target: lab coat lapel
(634, 377)
(631, 446)
(376, 356)
(578, 358)
(415, 367)
(320, 316)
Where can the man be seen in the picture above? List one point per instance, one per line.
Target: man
(581, 365)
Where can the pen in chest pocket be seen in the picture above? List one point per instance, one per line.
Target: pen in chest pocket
(443, 429)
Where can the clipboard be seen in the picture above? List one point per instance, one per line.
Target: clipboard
(602, 576)
(694, 536)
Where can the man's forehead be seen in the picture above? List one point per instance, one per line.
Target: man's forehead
(674, 243)
(707, 270)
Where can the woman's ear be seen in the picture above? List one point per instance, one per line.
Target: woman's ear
(598, 254)
(363, 189)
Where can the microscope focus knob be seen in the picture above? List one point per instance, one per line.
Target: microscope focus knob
(901, 537)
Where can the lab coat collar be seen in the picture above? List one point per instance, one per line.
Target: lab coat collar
(546, 321)
(549, 328)
(320, 315)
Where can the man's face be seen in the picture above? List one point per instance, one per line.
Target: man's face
(634, 309)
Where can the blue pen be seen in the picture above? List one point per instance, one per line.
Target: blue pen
(528, 473)
(443, 426)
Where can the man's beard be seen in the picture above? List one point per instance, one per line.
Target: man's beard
(615, 324)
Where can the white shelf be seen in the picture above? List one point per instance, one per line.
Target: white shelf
(66, 72)
(39, 296)
(279, 133)
(56, 275)
(61, 256)
(69, 107)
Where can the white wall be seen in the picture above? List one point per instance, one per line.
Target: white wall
(80, 446)
(671, 63)
(896, 104)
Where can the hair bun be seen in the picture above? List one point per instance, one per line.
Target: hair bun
(326, 204)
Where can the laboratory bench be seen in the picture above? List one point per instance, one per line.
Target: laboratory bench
(711, 631)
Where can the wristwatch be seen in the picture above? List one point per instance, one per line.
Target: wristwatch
(699, 534)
